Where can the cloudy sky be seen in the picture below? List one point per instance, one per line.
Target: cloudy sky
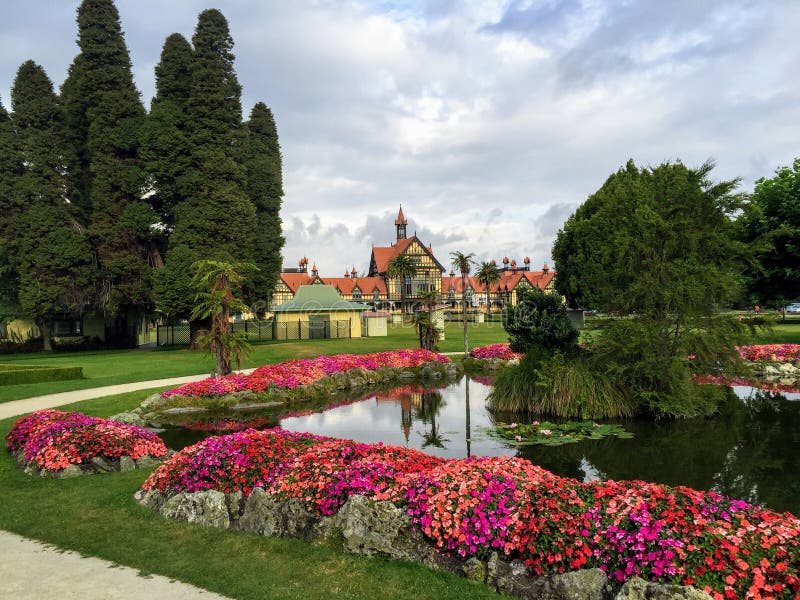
(490, 121)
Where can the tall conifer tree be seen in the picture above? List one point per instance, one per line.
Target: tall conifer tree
(50, 252)
(165, 151)
(265, 188)
(121, 222)
(10, 170)
(73, 104)
(216, 220)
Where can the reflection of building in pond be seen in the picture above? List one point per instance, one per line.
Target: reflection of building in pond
(380, 290)
(417, 401)
(407, 398)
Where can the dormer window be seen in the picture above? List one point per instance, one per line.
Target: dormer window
(376, 294)
(357, 294)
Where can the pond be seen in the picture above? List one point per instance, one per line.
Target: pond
(750, 451)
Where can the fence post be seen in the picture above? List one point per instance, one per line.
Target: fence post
(300, 329)
(350, 328)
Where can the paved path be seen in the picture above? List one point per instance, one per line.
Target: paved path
(20, 407)
(30, 570)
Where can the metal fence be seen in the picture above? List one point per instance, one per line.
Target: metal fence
(263, 331)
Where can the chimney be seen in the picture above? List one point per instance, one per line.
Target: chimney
(314, 271)
(545, 269)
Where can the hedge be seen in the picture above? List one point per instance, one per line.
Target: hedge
(13, 374)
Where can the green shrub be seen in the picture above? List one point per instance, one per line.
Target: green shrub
(540, 320)
(14, 375)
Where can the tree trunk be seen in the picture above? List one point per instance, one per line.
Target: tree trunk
(464, 307)
(44, 328)
(196, 326)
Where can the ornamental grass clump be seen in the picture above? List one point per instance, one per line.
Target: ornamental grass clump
(54, 440)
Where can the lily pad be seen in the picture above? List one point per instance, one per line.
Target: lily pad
(555, 434)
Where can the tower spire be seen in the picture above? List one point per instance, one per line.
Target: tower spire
(400, 223)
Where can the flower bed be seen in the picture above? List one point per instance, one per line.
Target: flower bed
(477, 506)
(500, 351)
(55, 441)
(770, 352)
(294, 373)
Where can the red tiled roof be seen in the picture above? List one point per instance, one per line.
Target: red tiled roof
(384, 254)
(507, 278)
(346, 285)
(295, 280)
(400, 220)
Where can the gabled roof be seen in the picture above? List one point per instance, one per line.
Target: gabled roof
(383, 255)
(317, 298)
(294, 280)
(346, 285)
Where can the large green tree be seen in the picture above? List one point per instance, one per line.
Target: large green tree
(51, 253)
(73, 105)
(121, 226)
(216, 220)
(771, 223)
(657, 244)
(10, 171)
(264, 187)
(165, 152)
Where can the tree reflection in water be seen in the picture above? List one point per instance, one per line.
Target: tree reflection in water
(430, 404)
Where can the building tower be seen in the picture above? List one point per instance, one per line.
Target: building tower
(400, 222)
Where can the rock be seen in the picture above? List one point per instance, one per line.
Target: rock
(184, 410)
(512, 362)
(639, 589)
(357, 382)
(152, 499)
(406, 376)
(787, 368)
(147, 461)
(70, 471)
(585, 584)
(255, 405)
(298, 521)
(32, 468)
(234, 500)
(381, 528)
(261, 515)
(129, 418)
(126, 463)
(427, 372)
(474, 570)
(208, 508)
(152, 402)
(103, 464)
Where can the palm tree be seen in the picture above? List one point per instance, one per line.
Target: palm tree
(464, 263)
(402, 267)
(428, 335)
(487, 275)
(216, 283)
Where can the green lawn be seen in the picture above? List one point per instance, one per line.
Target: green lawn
(97, 516)
(110, 367)
(782, 333)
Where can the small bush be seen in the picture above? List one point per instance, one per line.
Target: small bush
(540, 320)
(13, 375)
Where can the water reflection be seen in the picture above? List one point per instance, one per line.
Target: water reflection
(751, 450)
